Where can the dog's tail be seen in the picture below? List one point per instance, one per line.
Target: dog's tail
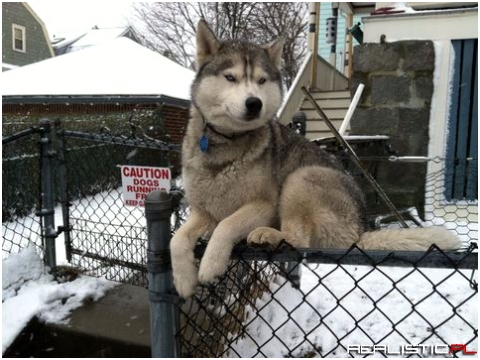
(418, 239)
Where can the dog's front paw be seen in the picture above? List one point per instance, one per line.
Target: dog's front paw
(185, 283)
(265, 236)
(185, 275)
(211, 269)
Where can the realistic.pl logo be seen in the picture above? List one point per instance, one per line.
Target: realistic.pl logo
(420, 349)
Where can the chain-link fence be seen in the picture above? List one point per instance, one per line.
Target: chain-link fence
(94, 230)
(21, 202)
(352, 303)
(348, 303)
(106, 237)
(436, 191)
(282, 303)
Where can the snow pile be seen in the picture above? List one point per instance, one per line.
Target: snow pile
(28, 290)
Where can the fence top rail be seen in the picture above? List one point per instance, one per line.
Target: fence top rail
(21, 134)
(432, 258)
(122, 140)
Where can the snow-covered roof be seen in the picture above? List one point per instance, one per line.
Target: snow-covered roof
(119, 67)
(65, 39)
(74, 41)
(96, 37)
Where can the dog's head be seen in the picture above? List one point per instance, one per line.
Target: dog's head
(238, 85)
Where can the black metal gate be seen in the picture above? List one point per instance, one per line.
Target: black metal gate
(65, 186)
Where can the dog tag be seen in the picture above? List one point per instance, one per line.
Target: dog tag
(203, 143)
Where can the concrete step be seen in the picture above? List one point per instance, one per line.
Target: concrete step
(118, 325)
(321, 126)
(314, 135)
(335, 105)
(332, 114)
(327, 104)
(343, 94)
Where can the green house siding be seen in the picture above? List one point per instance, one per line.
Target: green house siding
(37, 46)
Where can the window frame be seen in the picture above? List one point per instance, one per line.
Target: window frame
(24, 44)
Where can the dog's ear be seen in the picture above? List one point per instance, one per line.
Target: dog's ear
(207, 43)
(274, 50)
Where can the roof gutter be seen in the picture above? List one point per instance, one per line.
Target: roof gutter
(96, 99)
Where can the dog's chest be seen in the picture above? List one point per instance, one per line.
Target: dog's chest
(221, 189)
(230, 171)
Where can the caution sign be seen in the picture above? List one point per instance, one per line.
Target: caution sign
(139, 181)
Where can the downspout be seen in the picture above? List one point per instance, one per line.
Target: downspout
(314, 9)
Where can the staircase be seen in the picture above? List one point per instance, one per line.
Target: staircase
(335, 105)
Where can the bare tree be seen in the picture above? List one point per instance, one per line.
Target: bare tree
(287, 19)
(169, 28)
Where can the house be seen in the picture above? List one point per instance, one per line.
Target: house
(118, 77)
(24, 36)
(328, 72)
(419, 64)
(327, 67)
(63, 43)
(336, 46)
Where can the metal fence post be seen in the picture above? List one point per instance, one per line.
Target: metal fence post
(163, 310)
(47, 211)
(299, 121)
(65, 203)
(294, 274)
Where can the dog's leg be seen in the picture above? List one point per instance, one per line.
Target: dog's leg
(229, 232)
(315, 211)
(294, 230)
(183, 242)
(316, 204)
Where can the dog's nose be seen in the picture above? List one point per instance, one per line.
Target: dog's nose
(253, 105)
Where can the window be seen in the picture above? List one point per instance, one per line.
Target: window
(18, 38)
(462, 142)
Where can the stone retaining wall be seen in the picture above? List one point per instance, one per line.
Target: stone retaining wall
(396, 101)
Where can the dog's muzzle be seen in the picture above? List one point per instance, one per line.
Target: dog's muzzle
(253, 106)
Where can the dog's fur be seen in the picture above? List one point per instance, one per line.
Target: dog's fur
(258, 179)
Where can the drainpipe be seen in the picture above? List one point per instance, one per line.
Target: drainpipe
(314, 9)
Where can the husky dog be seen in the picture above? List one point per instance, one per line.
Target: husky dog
(248, 177)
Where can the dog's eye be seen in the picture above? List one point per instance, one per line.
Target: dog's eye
(262, 81)
(230, 78)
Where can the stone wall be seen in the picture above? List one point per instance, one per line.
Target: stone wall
(396, 101)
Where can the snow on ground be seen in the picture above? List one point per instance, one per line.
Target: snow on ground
(28, 290)
(333, 301)
(103, 212)
(25, 231)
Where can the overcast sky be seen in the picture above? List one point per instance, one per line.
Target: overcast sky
(65, 16)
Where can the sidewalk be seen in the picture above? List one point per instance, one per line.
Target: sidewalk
(118, 325)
